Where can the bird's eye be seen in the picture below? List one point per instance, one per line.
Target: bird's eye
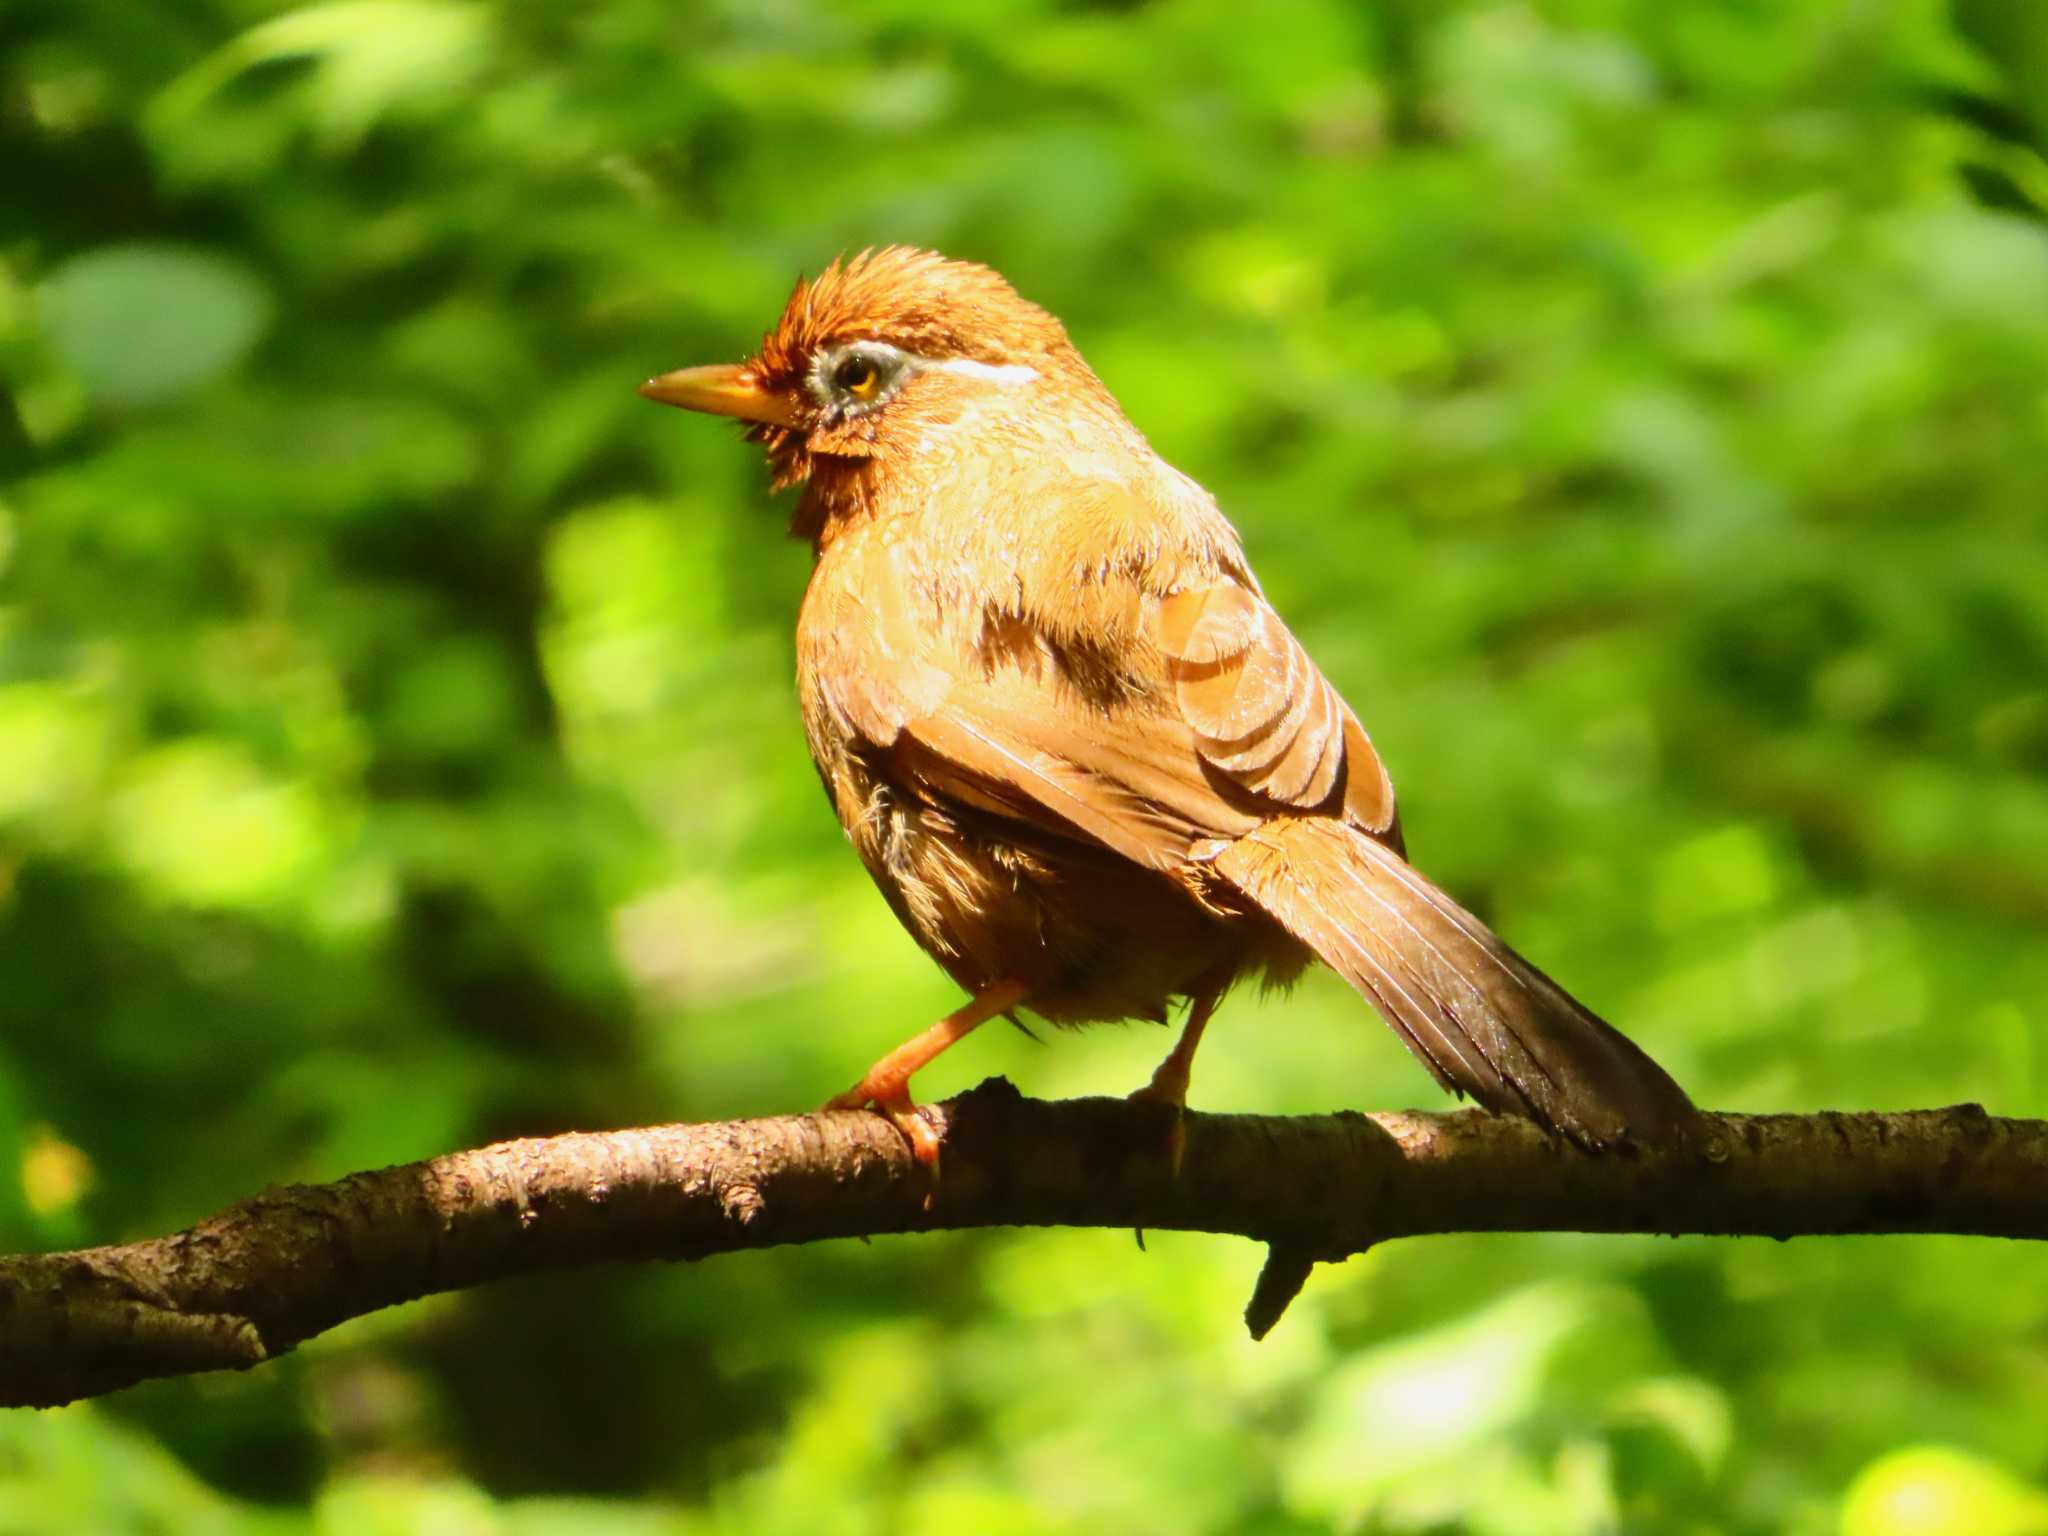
(858, 377)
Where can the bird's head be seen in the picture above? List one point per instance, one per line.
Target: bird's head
(882, 355)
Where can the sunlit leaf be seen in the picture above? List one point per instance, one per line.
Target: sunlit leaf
(1938, 1491)
(367, 56)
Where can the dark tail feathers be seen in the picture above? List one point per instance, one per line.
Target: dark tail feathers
(1484, 1020)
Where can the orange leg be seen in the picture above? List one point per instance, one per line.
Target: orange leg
(887, 1084)
(1169, 1083)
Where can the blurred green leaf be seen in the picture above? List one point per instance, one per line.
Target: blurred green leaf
(78, 1469)
(2013, 35)
(145, 323)
(1401, 1427)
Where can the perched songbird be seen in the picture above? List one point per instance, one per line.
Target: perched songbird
(1085, 761)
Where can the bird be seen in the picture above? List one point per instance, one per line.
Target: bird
(1087, 764)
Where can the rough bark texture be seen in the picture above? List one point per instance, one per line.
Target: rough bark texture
(254, 1280)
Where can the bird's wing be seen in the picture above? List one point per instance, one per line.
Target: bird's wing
(1204, 719)
(1130, 781)
(890, 666)
(1260, 712)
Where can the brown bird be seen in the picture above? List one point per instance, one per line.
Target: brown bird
(1085, 761)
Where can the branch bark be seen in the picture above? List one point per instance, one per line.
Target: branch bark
(262, 1275)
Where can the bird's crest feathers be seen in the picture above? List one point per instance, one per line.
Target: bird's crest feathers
(925, 303)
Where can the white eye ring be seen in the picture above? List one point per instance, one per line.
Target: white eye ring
(883, 369)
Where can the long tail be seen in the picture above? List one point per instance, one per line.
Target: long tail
(1484, 1020)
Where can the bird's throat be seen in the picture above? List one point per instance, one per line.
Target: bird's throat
(838, 493)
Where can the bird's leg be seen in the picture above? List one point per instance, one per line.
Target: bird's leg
(1169, 1083)
(887, 1084)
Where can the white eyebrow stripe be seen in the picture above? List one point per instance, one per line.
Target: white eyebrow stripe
(967, 367)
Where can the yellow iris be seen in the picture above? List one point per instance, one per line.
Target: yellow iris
(859, 378)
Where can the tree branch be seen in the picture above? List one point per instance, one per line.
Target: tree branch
(256, 1279)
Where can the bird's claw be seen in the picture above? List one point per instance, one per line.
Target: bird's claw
(894, 1101)
(1177, 1134)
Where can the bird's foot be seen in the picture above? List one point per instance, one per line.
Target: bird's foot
(887, 1085)
(1169, 1083)
(1171, 1093)
(1170, 1087)
(891, 1096)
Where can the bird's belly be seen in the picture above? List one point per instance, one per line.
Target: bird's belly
(1090, 934)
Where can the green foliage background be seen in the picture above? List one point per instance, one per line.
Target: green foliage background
(1639, 406)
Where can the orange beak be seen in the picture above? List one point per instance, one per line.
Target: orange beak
(725, 389)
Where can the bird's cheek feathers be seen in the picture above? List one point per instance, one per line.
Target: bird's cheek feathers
(922, 422)
(855, 437)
